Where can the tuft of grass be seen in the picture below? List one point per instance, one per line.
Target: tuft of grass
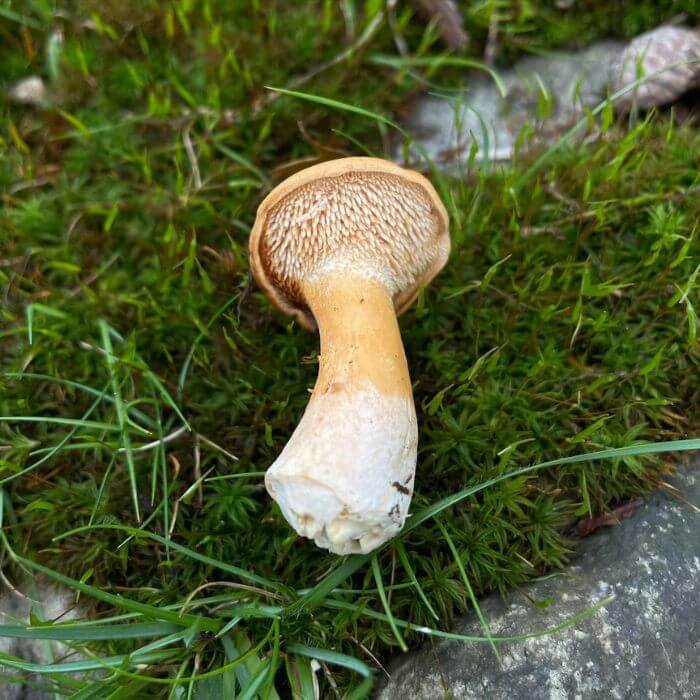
(555, 360)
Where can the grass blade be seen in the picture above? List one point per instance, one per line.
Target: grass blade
(85, 664)
(382, 596)
(317, 595)
(53, 450)
(456, 636)
(475, 603)
(82, 387)
(631, 451)
(434, 62)
(79, 632)
(121, 602)
(330, 657)
(121, 415)
(403, 556)
(228, 568)
(336, 104)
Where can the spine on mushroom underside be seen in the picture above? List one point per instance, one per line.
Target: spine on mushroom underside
(345, 478)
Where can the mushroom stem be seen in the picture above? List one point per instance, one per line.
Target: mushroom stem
(345, 477)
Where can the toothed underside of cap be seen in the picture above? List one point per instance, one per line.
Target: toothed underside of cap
(369, 222)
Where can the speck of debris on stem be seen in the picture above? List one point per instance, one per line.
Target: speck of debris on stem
(400, 487)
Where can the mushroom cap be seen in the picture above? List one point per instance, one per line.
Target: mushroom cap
(364, 215)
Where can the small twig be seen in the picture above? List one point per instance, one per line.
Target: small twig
(348, 15)
(448, 21)
(73, 223)
(198, 469)
(209, 442)
(676, 493)
(331, 680)
(30, 184)
(8, 262)
(371, 656)
(14, 590)
(93, 276)
(89, 346)
(571, 203)
(162, 441)
(399, 41)
(491, 48)
(192, 158)
(228, 584)
(176, 508)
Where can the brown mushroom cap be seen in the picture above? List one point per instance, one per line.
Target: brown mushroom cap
(363, 215)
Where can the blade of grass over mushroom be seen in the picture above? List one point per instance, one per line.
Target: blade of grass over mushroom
(470, 591)
(121, 415)
(337, 104)
(376, 571)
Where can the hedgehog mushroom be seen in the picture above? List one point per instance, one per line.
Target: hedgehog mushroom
(343, 247)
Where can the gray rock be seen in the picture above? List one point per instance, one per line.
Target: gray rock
(644, 644)
(669, 55)
(551, 93)
(48, 603)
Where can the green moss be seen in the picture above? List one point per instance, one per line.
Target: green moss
(564, 323)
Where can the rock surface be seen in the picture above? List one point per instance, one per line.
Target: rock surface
(48, 603)
(550, 93)
(644, 644)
